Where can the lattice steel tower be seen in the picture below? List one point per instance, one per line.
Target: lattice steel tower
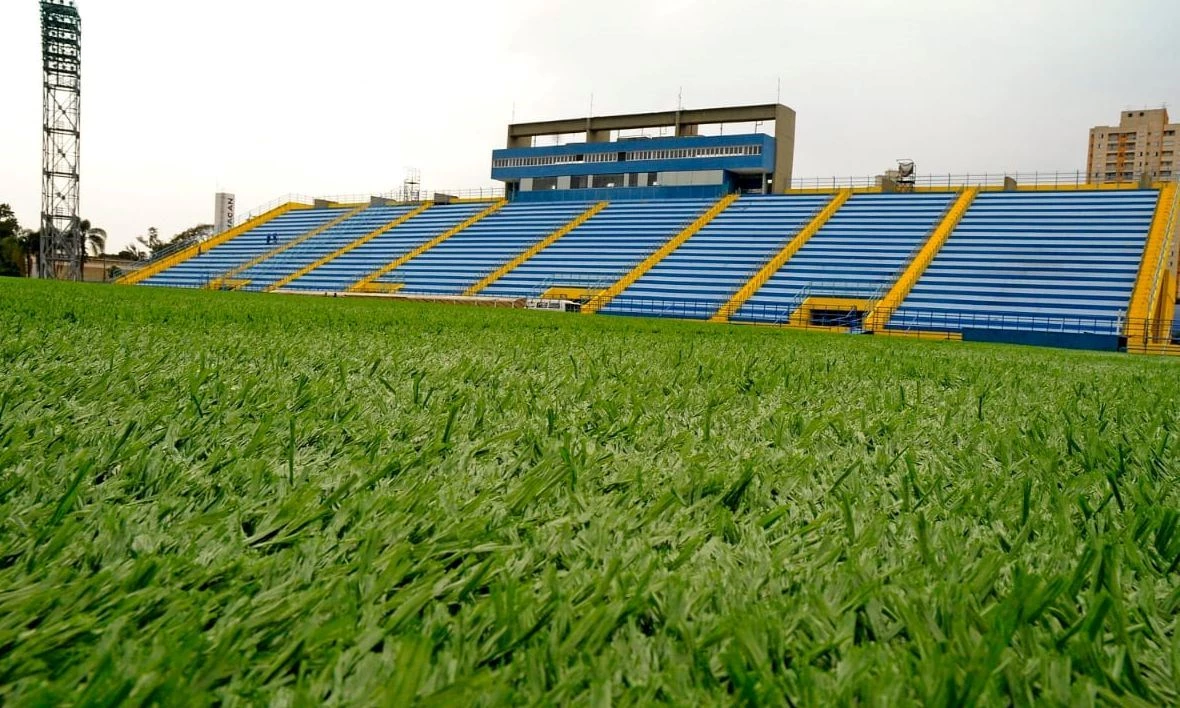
(62, 240)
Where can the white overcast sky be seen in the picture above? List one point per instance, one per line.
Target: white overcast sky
(266, 97)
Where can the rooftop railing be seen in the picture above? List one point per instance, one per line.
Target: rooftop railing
(420, 194)
(1076, 178)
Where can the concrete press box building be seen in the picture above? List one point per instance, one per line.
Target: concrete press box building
(603, 163)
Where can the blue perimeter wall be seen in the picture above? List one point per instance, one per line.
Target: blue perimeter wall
(1063, 340)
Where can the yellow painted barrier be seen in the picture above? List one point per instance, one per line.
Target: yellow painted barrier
(535, 249)
(196, 249)
(382, 288)
(219, 282)
(879, 316)
(345, 249)
(1154, 259)
(1148, 292)
(780, 259)
(361, 285)
(569, 292)
(600, 300)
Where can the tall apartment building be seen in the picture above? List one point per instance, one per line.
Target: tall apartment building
(1143, 144)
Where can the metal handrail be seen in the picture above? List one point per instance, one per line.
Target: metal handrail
(577, 280)
(171, 249)
(749, 274)
(909, 259)
(287, 255)
(424, 195)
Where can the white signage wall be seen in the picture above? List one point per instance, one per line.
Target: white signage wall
(223, 212)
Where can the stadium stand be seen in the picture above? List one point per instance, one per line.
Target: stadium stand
(462, 260)
(702, 274)
(1067, 262)
(340, 273)
(1064, 261)
(600, 251)
(269, 271)
(199, 271)
(856, 254)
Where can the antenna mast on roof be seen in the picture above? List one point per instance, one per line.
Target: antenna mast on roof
(412, 185)
(589, 119)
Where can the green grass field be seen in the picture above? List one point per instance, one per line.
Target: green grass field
(234, 498)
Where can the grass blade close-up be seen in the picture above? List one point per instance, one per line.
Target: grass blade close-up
(226, 498)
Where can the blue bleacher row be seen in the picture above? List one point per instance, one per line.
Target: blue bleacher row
(1016, 257)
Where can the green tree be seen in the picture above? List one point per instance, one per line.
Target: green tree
(12, 254)
(192, 235)
(30, 243)
(133, 252)
(152, 242)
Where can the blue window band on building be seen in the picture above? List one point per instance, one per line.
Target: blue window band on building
(643, 168)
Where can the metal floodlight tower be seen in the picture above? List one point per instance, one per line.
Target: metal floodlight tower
(61, 55)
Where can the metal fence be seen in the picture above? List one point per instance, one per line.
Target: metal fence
(922, 323)
(418, 195)
(1046, 180)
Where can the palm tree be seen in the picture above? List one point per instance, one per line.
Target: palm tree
(30, 242)
(93, 238)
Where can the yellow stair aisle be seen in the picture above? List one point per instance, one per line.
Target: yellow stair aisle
(878, 317)
(368, 282)
(603, 298)
(196, 249)
(779, 259)
(1153, 270)
(229, 277)
(348, 247)
(535, 249)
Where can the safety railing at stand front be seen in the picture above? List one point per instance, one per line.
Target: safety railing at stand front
(906, 319)
(1098, 332)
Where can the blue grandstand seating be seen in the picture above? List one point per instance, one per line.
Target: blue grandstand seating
(196, 272)
(465, 258)
(1053, 261)
(307, 252)
(603, 249)
(700, 276)
(1040, 261)
(342, 272)
(857, 254)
